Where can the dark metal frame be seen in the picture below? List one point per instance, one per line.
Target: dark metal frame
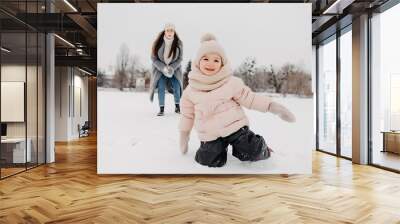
(338, 97)
(337, 35)
(26, 89)
(45, 89)
(44, 75)
(369, 90)
(317, 97)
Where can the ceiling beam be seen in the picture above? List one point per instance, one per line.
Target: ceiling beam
(337, 6)
(83, 23)
(81, 61)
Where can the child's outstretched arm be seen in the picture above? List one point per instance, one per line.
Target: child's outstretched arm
(247, 98)
(186, 121)
(282, 112)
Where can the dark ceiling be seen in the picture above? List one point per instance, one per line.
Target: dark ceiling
(76, 22)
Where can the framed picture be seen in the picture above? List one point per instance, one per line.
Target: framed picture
(205, 88)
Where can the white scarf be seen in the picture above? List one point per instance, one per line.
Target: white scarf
(203, 82)
(167, 49)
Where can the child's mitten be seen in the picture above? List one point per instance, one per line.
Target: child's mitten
(184, 140)
(282, 112)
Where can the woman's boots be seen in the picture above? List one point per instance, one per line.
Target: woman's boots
(161, 113)
(177, 110)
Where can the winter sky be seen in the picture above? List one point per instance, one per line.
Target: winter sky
(272, 33)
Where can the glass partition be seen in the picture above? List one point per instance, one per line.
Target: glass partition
(13, 104)
(346, 94)
(327, 96)
(31, 100)
(385, 89)
(22, 78)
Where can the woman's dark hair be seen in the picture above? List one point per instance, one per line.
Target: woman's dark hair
(158, 42)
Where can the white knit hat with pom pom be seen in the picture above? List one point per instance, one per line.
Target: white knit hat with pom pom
(209, 44)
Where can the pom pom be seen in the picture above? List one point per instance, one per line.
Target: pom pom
(207, 37)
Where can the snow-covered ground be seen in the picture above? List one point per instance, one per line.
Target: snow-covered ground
(133, 140)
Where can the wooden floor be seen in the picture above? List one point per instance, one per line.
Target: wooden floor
(70, 191)
(387, 159)
(5, 172)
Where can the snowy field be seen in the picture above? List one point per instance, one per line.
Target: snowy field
(133, 140)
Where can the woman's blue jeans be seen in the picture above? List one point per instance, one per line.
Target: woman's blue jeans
(161, 89)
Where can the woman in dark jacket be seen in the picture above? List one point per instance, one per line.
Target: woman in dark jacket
(166, 70)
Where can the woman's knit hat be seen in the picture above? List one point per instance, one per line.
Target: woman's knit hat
(169, 26)
(209, 44)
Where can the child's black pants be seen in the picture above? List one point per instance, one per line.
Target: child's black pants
(246, 146)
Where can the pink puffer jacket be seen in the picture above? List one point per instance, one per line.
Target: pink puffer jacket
(218, 113)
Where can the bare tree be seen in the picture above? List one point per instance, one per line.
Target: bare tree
(247, 71)
(283, 75)
(134, 66)
(186, 73)
(133, 72)
(288, 79)
(100, 77)
(123, 58)
(277, 79)
(300, 83)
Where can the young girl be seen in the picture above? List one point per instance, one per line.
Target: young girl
(212, 103)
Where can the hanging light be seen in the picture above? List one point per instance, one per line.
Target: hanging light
(64, 40)
(5, 50)
(70, 5)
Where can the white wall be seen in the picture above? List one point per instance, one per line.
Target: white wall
(69, 82)
(62, 81)
(79, 117)
(12, 73)
(12, 101)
